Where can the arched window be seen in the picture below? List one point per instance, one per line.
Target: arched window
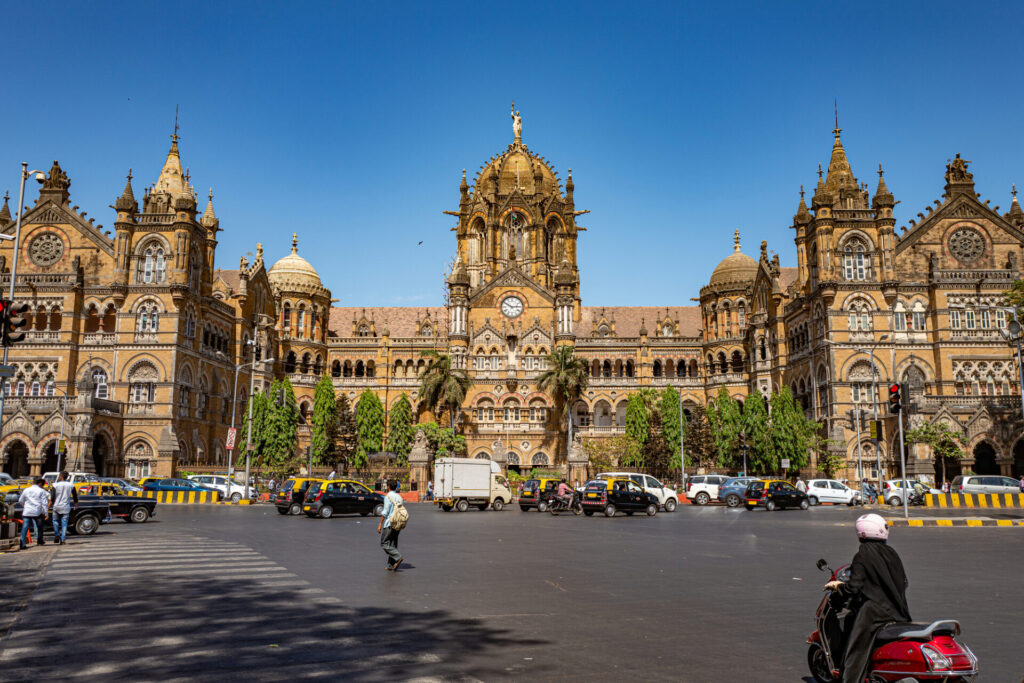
(360, 369)
(300, 322)
(723, 366)
(629, 368)
(657, 368)
(855, 260)
(304, 368)
(336, 369)
(55, 319)
(363, 331)
(606, 369)
(347, 369)
(737, 361)
(290, 361)
(142, 383)
(99, 381)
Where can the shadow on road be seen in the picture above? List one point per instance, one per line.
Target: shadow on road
(155, 627)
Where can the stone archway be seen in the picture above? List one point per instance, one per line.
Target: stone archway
(101, 451)
(985, 459)
(16, 457)
(49, 453)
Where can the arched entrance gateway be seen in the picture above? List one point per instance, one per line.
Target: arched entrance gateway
(50, 457)
(985, 459)
(16, 456)
(100, 452)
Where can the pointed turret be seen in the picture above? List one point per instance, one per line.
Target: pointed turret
(822, 197)
(883, 198)
(1014, 215)
(172, 179)
(840, 175)
(464, 186)
(803, 216)
(569, 186)
(126, 202)
(5, 212)
(459, 275)
(209, 218)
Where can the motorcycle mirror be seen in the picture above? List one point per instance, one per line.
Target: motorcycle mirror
(822, 565)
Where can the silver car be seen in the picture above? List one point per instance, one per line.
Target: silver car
(984, 484)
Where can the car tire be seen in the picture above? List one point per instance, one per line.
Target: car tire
(609, 510)
(702, 498)
(326, 512)
(652, 510)
(542, 506)
(588, 513)
(236, 497)
(895, 501)
(670, 505)
(462, 505)
(294, 509)
(378, 509)
(87, 524)
(813, 500)
(498, 505)
(769, 505)
(732, 500)
(138, 514)
(852, 503)
(804, 504)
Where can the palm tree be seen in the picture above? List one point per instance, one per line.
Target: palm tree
(565, 380)
(443, 385)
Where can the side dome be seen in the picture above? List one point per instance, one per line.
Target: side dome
(293, 270)
(736, 267)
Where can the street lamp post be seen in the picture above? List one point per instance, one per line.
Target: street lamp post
(248, 435)
(40, 177)
(63, 413)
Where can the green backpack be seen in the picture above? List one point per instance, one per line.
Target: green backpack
(399, 516)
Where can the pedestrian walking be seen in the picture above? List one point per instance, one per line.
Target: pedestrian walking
(332, 475)
(64, 496)
(801, 485)
(388, 533)
(271, 485)
(35, 504)
(945, 485)
(430, 489)
(1022, 483)
(398, 488)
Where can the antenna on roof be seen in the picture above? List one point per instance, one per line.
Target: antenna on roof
(175, 136)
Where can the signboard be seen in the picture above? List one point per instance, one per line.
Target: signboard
(62, 446)
(785, 463)
(6, 371)
(250, 446)
(231, 439)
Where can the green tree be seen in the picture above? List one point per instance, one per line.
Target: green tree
(281, 426)
(346, 433)
(324, 422)
(443, 386)
(699, 439)
(756, 427)
(793, 436)
(400, 429)
(726, 426)
(638, 424)
(946, 444)
(670, 410)
(565, 380)
(260, 417)
(369, 428)
(830, 464)
(605, 454)
(657, 451)
(442, 441)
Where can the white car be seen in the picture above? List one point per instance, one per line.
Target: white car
(703, 488)
(894, 490)
(667, 498)
(74, 477)
(220, 482)
(831, 491)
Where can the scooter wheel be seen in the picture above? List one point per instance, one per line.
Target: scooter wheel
(817, 662)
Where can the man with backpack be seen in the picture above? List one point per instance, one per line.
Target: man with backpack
(392, 521)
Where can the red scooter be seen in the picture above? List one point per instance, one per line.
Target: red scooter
(903, 652)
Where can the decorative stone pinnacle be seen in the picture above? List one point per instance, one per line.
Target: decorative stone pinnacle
(295, 243)
(736, 239)
(211, 194)
(801, 191)
(880, 171)
(1013, 191)
(820, 172)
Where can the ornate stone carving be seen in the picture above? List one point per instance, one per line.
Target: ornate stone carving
(967, 244)
(956, 171)
(46, 249)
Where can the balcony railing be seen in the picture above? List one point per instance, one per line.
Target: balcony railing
(42, 336)
(510, 427)
(601, 430)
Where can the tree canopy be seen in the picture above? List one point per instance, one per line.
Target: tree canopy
(369, 427)
(442, 385)
(726, 421)
(400, 429)
(324, 422)
(946, 444)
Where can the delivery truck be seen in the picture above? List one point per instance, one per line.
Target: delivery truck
(461, 482)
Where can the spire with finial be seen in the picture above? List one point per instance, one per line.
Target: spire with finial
(5, 211)
(736, 241)
(840, 175)
(295, 243)
(803, 216)
(1015, 215)
(883, 198)
(209, 217)
(464, 186)
(126, 202)
(172, 179)
(569, 185)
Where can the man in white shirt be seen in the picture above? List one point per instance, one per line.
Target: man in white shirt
(35, 507)
(64, 493)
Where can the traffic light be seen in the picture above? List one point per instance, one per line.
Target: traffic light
(895, 399)
(12, 319)
(875, 427)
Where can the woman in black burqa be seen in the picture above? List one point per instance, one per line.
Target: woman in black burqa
(877, 591)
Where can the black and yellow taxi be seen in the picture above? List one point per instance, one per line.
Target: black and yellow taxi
(534, 493)
(774, 494)
(135, 509)
(292, 494)
(325, 499)
(617, 495)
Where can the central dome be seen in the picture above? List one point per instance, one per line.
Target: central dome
(293, 269)
(518, 167)
(736, 267)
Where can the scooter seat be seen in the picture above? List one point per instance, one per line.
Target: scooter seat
(912, 630)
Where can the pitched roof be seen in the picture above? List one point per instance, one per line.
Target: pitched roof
(629, 318)
(399, 320)
(230, 278)
(788, 276)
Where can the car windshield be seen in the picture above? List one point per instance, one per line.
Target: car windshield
(313, 488)
(530, 485)
(596, 485)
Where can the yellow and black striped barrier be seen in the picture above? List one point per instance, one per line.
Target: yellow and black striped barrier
(974, 500)
(955, 522)
(179, 497)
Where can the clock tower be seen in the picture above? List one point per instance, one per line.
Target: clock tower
(514, 289)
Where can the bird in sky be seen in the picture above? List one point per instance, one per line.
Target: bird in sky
(420, 242)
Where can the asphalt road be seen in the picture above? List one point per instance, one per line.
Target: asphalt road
(705, 594)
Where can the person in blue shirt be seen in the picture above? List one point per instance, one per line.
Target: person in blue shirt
(389, 536)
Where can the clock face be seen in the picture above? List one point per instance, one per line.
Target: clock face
(512, 307)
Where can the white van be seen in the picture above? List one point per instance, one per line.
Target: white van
(667, 498)
(73, 477)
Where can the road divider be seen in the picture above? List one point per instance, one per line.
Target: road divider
(956, 522)
(180, 497)
(974, 500)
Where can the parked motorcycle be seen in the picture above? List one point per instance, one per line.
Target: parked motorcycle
(903, 652)
(556, 504)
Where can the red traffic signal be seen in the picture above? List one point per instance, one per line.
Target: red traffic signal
(12, 319)
(895, 399)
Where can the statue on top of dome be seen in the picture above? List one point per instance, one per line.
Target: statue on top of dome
(517, 124)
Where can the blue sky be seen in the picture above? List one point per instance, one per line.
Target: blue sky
(350, 122)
